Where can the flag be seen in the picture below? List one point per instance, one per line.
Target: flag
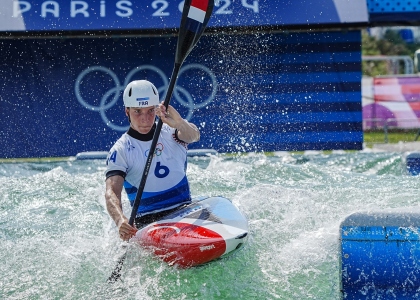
(198, 10)
(196, 15)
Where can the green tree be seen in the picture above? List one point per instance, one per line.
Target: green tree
(391, 44)
(370, 48)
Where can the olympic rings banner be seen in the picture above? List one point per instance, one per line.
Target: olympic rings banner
(293, 91)
(91, 15)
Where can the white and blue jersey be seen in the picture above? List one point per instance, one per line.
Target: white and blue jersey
(166, 185)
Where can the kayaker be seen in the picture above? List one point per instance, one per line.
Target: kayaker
(167, 186)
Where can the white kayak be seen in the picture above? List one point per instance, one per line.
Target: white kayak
(196, 234)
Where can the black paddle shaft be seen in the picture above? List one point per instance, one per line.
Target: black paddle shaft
(190, 31)
(189, 34)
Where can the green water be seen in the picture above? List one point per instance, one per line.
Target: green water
(57, 241)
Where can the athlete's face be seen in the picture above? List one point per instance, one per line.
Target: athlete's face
(142, 119)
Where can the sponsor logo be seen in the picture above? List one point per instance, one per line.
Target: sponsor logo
(205, 248)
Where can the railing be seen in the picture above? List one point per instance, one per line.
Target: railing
(391, 123)
(394, 62)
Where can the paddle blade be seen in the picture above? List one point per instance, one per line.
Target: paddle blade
(195, 16)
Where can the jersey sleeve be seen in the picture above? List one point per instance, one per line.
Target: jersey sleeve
(116, 161)
(174, 134)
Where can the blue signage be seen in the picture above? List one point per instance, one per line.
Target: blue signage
(93, 15)
(264, 92)
(394, 12)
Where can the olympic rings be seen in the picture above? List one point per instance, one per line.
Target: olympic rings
(213, 92)
(115, 92)
(83, 74)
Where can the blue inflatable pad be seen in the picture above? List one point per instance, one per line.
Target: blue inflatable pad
(380, 255)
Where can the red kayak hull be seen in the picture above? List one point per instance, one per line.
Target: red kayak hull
(182, 244)
(206, 229)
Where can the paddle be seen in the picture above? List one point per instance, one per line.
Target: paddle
(195, 16)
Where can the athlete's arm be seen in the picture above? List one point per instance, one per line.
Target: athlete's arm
(113, 189)
(187, 131)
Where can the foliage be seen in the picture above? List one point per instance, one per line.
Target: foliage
(390, 44)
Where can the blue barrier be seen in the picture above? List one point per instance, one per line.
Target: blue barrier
(412, 163)
(380, 255)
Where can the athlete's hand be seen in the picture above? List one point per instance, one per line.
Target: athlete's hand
(126, 231)
(169, 115)
(187, 132)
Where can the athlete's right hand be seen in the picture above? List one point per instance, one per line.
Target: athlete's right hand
(126, 231)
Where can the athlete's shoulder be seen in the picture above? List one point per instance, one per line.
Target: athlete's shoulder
(121, 148)
(125, 142)
(119, 157)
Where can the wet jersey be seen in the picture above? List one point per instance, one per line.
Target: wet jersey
(166, 185)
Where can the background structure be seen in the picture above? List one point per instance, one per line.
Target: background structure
(267, 76)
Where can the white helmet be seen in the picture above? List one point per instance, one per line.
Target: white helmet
(140, 93)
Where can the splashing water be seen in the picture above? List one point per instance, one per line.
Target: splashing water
(57, 240)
